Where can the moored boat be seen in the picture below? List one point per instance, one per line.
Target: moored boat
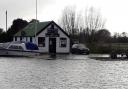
(19, 49)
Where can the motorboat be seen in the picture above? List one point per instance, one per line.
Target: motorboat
(19, 48)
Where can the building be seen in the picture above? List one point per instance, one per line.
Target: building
(47, 35)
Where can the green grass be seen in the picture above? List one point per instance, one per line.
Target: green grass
(108, 48)
(119, 46)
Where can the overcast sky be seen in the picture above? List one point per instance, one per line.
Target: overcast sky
(114, 11)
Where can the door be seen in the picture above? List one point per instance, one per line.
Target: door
(52, 45)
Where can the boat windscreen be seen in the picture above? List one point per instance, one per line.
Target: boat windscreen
(31, 46)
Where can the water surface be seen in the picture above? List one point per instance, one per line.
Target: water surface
(66, 72)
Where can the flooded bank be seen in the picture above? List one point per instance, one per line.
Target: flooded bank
(76, 72)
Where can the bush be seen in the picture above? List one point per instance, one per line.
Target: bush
(100, 48)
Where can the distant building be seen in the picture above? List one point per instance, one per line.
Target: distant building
(49, 37)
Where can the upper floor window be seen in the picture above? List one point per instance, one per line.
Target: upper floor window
(52, 26)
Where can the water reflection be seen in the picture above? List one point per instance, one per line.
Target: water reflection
(86, 73)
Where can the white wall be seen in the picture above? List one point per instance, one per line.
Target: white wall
(62, 49)
(58, 48)
(46, 48)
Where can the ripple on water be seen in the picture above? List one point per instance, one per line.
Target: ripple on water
(72, 73)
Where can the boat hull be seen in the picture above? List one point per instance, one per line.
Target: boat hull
(7, 52)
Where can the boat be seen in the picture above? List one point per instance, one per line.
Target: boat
(19, 48)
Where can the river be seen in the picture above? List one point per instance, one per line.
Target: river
(65, 72)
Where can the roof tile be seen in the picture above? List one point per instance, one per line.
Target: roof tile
(30, 29)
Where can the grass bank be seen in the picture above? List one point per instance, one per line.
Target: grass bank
(104, 48)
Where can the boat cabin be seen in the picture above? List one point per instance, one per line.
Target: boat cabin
(23, 46)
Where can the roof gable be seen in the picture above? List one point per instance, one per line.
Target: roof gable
(52, 22)
(29, 30)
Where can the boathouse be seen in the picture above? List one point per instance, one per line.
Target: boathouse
(49, 37)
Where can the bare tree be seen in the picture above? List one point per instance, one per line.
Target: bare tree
(93, 19)
(93, 22)
(82, 28)
(68, 20)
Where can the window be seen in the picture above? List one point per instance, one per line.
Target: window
(14, 47)
(41, 41)
(15, 38)
(52, 26)
(63, 42)
(26, 39)
(21, 38)
(30, 39)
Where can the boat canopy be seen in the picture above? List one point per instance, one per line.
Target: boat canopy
(31, 46)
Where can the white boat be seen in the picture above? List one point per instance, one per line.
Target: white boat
(19, 49)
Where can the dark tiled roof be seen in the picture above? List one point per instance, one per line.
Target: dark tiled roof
(30, 30)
